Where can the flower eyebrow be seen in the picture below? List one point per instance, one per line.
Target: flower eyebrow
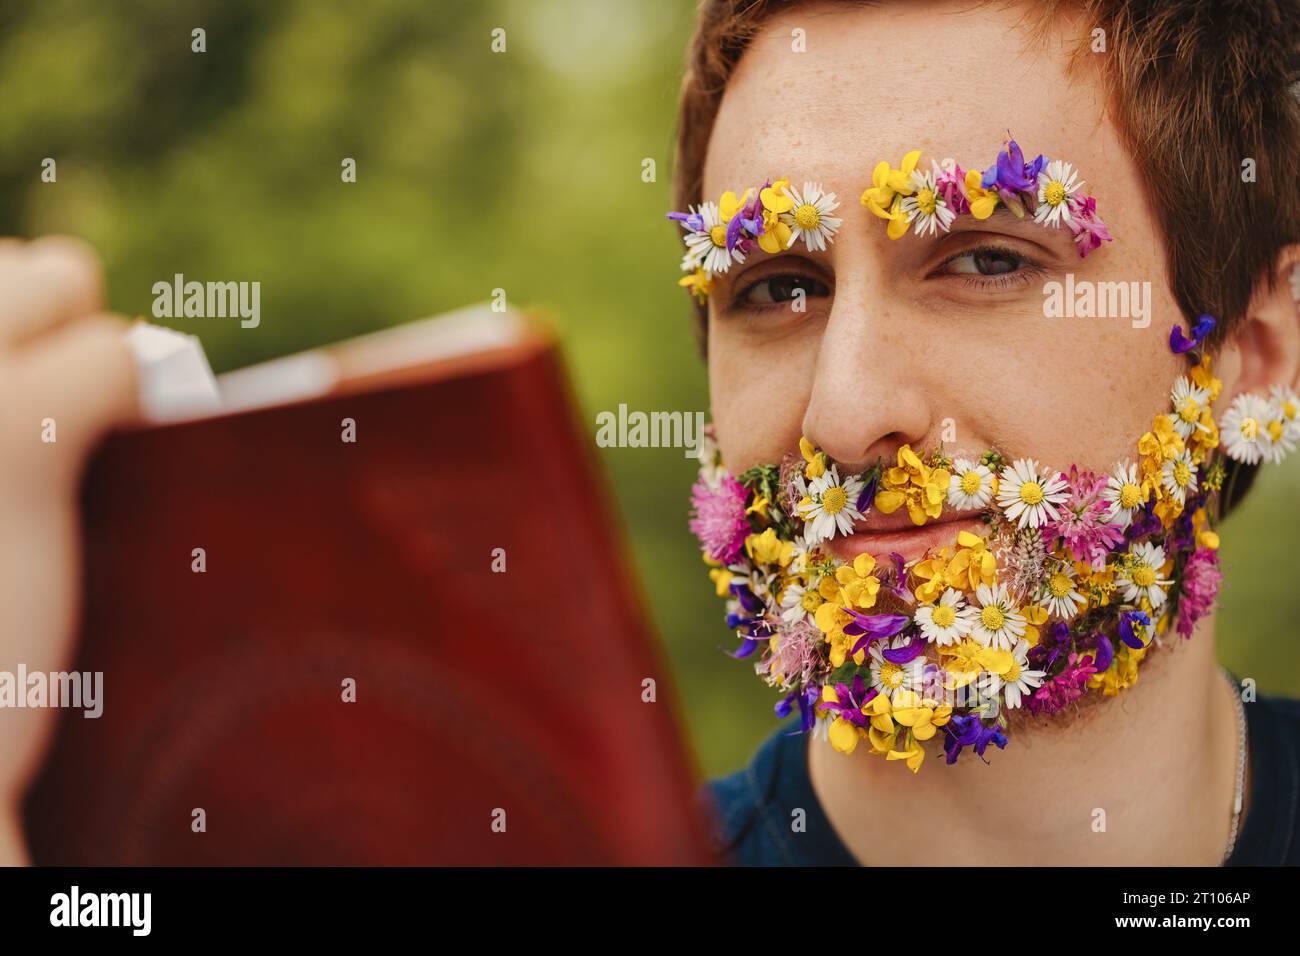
(771, 218)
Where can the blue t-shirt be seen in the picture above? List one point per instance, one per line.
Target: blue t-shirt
(753, 806)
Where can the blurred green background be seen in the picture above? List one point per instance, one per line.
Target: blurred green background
(476, 171)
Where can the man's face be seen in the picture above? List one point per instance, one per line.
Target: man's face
(917, 339)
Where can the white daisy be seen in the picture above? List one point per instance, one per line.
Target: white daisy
(1029, 495)
(800, 554)
(1142, 578)
(707, 246)
(971, 486)
(1288, 403)
(999, 624)
(1124, 492)
(1189, 401)
(888, 677)
(1018, 682)
(1060, 597)
(1241, 428)
(1056, 187)
(831, 506)
(1178, 476)
(799, 603)
(925, 207)
(811, 216)
(947, 621)
(1280, 427)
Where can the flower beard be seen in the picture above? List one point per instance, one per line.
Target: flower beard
(1054, 605)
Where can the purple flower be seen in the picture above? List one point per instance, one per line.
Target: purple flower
(1180, 343)
(970, 731)
(807, 699)
(1200, 586)
(1182, 534)
(1011, 176)
(718, 518)
(1105, 653)
(1127, 634)
(873, 627)
(748, 619)
(907, 653)
(749, 219)
(1144, 522)
(894, 580)
(868, 494)
(850, 701)
(691, 220)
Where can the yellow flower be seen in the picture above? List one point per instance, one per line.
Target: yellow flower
(1163, 441)
(699, 284)
(933, 575)
(1167, 510)
(1203, 377)
(922, 715)
(767, 548)
(909, 716)
(1205, 438)
(858, 586)
(841, 644)
(1122, 673)
(721, 578)
(888, 187)
(774, 197)
(729, 205)
(1205, 537)
(888, 184)
(830, 618)
(968, 658)
(1035, 615)
(843, 734)
(914, 484)
(853, 586)
(982, 201)
(816, 466)
(776, 234)
(1096, 586)
(973, 564)
(1156, 446)
(759, 507)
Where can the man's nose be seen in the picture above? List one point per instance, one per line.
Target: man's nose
(868, 392)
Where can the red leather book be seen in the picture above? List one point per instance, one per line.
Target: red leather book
(498, 715)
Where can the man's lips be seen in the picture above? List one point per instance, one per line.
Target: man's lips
(880, 535)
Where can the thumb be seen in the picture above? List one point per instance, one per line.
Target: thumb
(77, 383)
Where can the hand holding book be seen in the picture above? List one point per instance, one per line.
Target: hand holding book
(66, 379)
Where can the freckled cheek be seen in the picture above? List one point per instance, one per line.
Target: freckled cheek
(1093, 407)
(757, 405)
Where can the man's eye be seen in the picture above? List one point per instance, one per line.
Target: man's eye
(771, 290)
(984, 262)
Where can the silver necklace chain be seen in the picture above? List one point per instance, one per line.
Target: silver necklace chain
(1241, 763)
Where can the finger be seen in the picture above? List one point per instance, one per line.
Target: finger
(82, 380)
(46, 283)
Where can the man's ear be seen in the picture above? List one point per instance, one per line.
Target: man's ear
(1264, 349)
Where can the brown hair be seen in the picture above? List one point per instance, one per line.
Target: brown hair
(1195, 88)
